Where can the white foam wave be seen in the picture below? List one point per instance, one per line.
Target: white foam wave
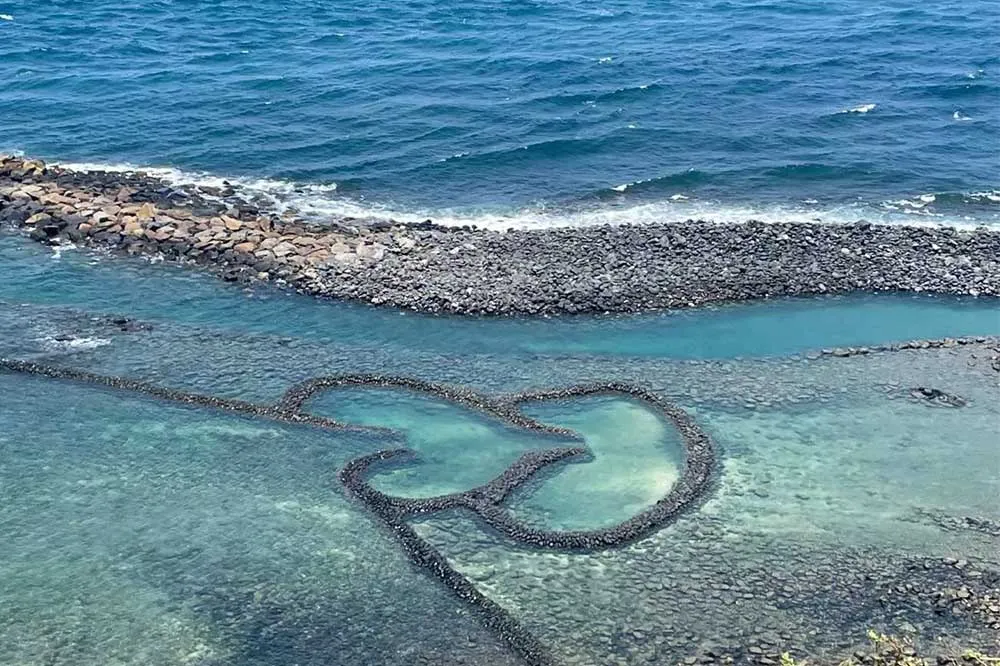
(917, 205)
(6, 17)
(862, 108)
(278, 195)
(605, 59)
(679, 209)
(323, 202)
(73, 343)
(958, 115)
(992, 196)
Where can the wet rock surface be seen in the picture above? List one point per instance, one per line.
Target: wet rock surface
(462, 270)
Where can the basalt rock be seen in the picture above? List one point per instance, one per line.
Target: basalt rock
(431, 268)
(486, 501)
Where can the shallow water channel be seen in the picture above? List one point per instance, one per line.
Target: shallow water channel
(144, 531)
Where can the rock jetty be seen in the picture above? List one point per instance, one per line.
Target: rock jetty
(475, 271)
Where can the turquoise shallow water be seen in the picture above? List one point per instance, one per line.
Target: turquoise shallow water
(758, 329)
(150, 533)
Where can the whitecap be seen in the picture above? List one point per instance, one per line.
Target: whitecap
(74, 343)
(279, 195)
(605, 59)
(978, 74)
(323, 202)
(863, 108)
(6, 17)
(909, 205)
(958, 115)
(992, 196)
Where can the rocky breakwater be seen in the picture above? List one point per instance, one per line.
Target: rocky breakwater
(474, 271)
(139, 214)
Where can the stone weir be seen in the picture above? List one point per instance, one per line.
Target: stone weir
(466, 270)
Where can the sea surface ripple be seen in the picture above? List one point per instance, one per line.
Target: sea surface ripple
(527, 112)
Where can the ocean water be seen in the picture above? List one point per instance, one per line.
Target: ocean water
(143, 532)
(527, 113)
(139, 531)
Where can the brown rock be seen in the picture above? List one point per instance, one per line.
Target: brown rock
(283, 249)
(85, 228)
(345, 259)
(331, 239)
(245, 248)
(147, 211)
(318, 257)
(99, 216)
(56, 198)
(232, 223)
(38, 218)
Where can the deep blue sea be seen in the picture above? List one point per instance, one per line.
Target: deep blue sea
(517, 112)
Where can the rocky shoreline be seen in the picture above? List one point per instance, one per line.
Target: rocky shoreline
(430, 268)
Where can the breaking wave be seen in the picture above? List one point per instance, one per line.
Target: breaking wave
(670, 198)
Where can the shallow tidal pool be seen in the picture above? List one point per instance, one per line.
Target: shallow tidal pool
(145, 531)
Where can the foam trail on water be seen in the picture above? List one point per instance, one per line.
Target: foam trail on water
(862, 108)
(322, 202)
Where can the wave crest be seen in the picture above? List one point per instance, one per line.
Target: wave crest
(663, 199)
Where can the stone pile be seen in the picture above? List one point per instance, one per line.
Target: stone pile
(142, 215)
(465, 270)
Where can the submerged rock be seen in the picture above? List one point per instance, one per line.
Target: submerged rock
(937, 397)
